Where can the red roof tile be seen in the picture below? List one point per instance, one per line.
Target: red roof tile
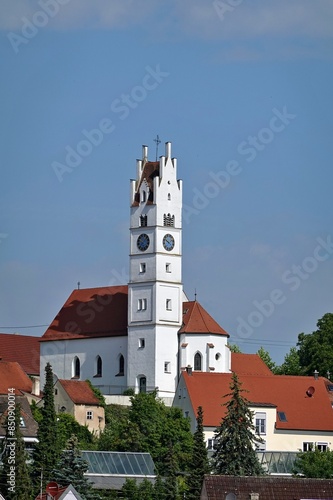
(250, 364)
(91, 312)
(287, 393)
(21, 348)
(80, 392)
(13, 376)
(197, 320)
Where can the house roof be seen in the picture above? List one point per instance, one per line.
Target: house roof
(268, 487)
(150, 170)
(13, 376)
(197, 320)
(287, 393)
(91, 312)
(30, 426)
(80, 392)
(56, 492)
(250, 364)
(21, 348)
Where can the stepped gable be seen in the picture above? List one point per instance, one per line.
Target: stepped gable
(91, 313)
(21, 348)
(197, 320)
(150, 170)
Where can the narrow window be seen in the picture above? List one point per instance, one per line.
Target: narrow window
(308, 446)
(198, 362)
(98, 366)
(22, 422)
(168, 305)
(141, 343)
(55, 391)
(143, 220)
(142, 304)
(76, 367)
(90, 415)
(166, 367)
(143, 196)
(322, 446)
(142, 384)
(121, 365)
(169, 196)
(168, 267)
(142, 267)
(260, 423)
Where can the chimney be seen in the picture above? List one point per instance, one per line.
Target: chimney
(315, 374)
(189, 369)
(168, 149)
(145, 153)
(35, 386)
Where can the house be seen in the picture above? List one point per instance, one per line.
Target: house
(291, 413)
(265, 488)
(139, 335)
(55, 492)
(78, 399)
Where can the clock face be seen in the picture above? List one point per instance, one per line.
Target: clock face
(143, 242)
(168, 242)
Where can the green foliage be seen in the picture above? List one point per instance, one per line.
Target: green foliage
(36, 412)
(316, 349)
(70, 469)
(291, 364)
(265, 356)
(15, 479)
(199, 464)
(234, 348)
(68, 426)
(98, 393)
(235, 437)
(46, 452)
(129, 392)
(130, 490)
(148, 426)
(314, 464)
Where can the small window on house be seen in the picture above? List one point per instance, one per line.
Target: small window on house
(260, 423)
(217, 356)
(198, 362)
(282, 416)
(76, 368)
(322, 446)
(142, 384)
(169, 196)
(167, 368)
(142, 267)
(211, 444)
(143, 220)
(90, 415)
(168, 267)
(22, 422)
(141, 343)
(55, 391)
(142, 304)
(98, 366)
(168, 305)
(186, 414)
(308, 446)
(121, 365)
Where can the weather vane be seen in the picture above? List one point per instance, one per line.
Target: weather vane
(157, 140)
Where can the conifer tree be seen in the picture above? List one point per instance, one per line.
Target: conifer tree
(70, 469)
(235, 437)
(46, 451)
(15, 478)
(199, 464)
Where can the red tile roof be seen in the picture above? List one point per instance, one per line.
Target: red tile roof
(268, 488)
(150, 170)
(80, 392)
(250, 364)
(13, 376)
(21, 348)
(287, 393)
(91, 312)
(197, 320)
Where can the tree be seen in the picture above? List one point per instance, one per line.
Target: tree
(291, 364)
(15, 478)
(235, 437)
(70, 469)
(199, 464)
(234, 348)
(314, 464)
(68, 426)
(46, 452)
(316, 349)
(265, 356)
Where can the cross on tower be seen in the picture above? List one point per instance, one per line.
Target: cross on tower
(157, 140)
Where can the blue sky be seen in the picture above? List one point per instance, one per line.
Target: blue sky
(242, 89)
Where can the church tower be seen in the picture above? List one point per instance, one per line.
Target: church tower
(155, 290)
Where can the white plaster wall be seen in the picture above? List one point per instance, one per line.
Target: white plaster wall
(60, 355)
(198, 343)
(141, 361)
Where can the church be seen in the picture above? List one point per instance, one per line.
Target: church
(144, 334)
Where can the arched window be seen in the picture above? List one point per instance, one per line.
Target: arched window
(121, 365)
(198, 362)
(142, 384)
(98, 366)
(76, 367)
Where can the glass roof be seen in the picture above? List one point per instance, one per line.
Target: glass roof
(121, 463)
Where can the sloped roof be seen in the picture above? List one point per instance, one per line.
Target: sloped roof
(30, 425)
(150, 170)
(250, 364)
(197, 320)
(91, 312)
(287, 393)
(80, 392)
(268, 487)
(13, 376)
(21, 348)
